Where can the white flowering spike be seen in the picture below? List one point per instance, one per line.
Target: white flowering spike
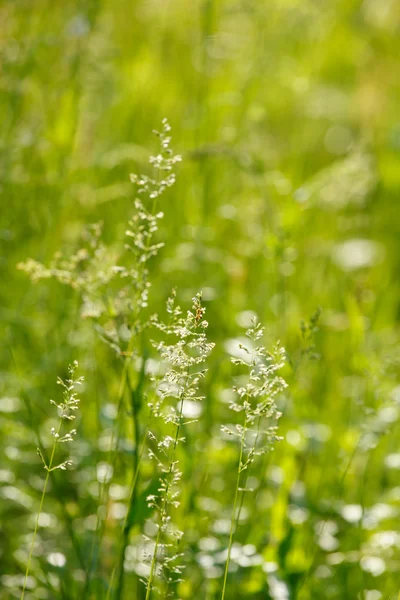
(255, 399)
(183, 358)
(66, 412)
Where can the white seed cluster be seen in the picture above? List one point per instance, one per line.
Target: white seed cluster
(66, 412)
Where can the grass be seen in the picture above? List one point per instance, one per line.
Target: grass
(285, 208)
(66, 410)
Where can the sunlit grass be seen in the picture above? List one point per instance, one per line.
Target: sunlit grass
(285, 206)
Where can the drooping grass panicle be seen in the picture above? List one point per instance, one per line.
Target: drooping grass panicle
(66, 410)
(97, 270)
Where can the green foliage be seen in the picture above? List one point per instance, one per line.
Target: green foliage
(286, 200)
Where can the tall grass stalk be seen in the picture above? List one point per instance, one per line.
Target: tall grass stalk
(183, 357)
(46, 481)
(140, 245)
(136, 402)
(35, 428)
(105, 484)
(126, 528)
(234, 514)
(66, 410)
(256, 400)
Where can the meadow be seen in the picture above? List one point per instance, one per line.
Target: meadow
(199, 300)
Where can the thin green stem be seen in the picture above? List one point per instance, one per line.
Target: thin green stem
(111, 458)
(154, 558)
(247, 477)
(46, 481)
(126, 527)
(136, 401)
(112, 455)
(234, 510)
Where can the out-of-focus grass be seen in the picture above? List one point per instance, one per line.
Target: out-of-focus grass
(287, 116)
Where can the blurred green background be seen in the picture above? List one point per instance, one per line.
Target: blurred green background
(287, 115)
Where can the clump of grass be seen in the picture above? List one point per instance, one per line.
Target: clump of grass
(66, 412)
(115, 295)
(114, 291)
(255, 400)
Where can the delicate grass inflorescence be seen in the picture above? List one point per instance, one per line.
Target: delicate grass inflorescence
(114, 284)
(183, 359)
(66, 410)
(255, 400)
